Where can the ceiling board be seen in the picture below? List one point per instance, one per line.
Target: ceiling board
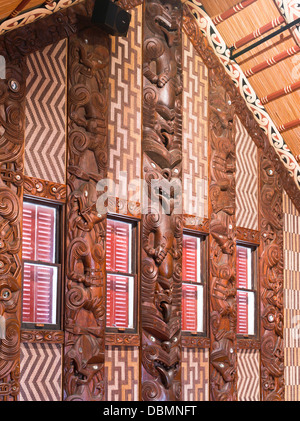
(273, 78)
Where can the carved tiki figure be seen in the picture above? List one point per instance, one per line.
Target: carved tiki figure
(223, 314)
(162, 225)
(85, 284)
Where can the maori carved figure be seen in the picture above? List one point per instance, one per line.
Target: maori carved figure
(87, 164)
(12, 120)
(223, 314)
(271, 289)
(162, 224)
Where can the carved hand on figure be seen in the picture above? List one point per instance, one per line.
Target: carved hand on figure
(160, 253)
(162, 79)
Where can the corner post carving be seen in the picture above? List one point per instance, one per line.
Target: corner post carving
(89, 53)
(12, 121)
(271, 281)
(223, 315)
(162, 224)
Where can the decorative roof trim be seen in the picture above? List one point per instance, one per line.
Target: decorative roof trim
(35, 14)
(253, 103)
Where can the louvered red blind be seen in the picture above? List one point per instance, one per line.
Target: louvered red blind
(118, 255)
(190, 273)
(190, 259)
(40, 281)
(38, 240)
(242, 296)
(189, 307)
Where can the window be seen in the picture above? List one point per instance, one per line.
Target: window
(193, 290)
(246, 292)
(41, 268)
(121, 274)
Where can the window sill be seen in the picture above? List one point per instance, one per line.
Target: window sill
(122, 339)
(194, 341)
(42, 336)
(248, 343)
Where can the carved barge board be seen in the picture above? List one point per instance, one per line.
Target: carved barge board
(161, 228)
(88, 70)
(222, 282)
(271, 282)
(12, 121)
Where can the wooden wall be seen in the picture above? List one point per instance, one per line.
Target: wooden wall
(233, 192)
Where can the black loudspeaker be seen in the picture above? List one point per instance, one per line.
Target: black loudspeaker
(111, 17)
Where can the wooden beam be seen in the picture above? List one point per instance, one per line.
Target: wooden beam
(222, 241)
(290, 125)
(12, 123)
(281, 92)
(258, 32)
(273, 60)
(85, 286)
(232, 11)
(162, 227)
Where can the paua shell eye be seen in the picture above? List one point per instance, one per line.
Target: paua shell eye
(5, 294)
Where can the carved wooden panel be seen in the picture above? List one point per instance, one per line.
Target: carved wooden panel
(162, 226)
(271, 279)
(223, 317)
(89, 53)
(12, 121)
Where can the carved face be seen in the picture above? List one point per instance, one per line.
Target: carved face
(164, 20)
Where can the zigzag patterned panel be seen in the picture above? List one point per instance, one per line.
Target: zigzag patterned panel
(41, 372)
(195, 374)
(246, 179)
(125, 90)
(195, 131)
(122, 373)
(46, 114)
(248, 372)
(291, 247)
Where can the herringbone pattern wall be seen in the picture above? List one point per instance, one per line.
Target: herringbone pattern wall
(195, 131)
(246, 179)
(41, 372)
(45, 135)
(125, 88)
(122, 373)
(195, 374)
(248, 372)
(291, 247)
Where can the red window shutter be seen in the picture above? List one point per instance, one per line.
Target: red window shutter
(242, 314)
(189, 308)
(38, 244)
(117, 311)
(38, 233)
(45, 232)
(242, 297)
(28, 237)
(190, 263)
(242, 267)
(117, 246)
(28, 294)
(118, 252)
(38, 294)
